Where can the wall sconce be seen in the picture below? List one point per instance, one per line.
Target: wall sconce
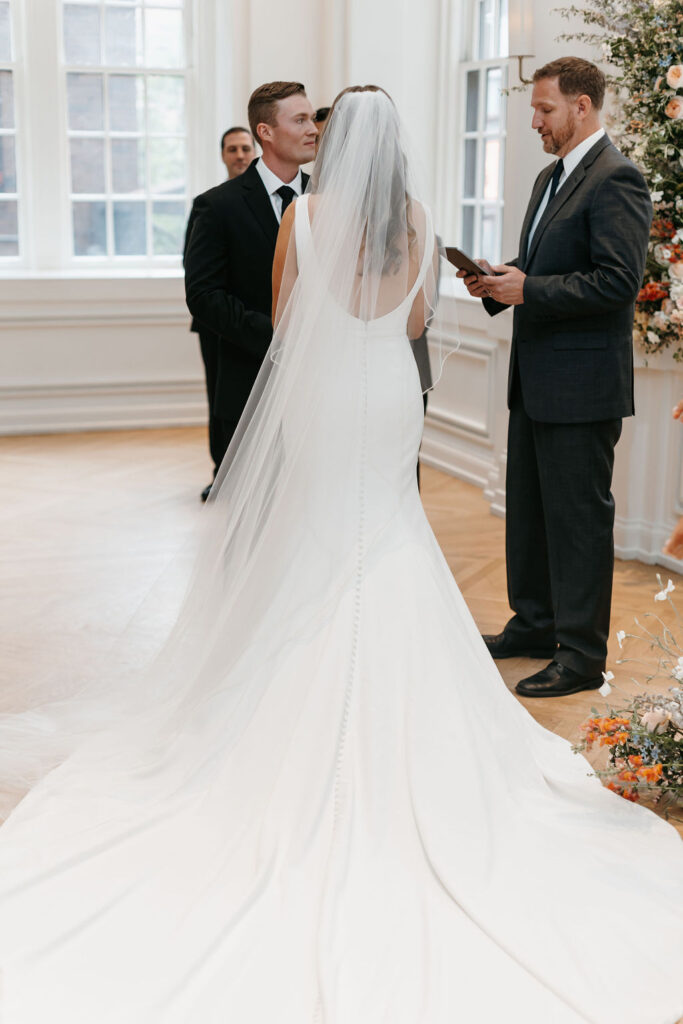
(521, 33)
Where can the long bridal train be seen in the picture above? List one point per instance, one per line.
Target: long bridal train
(340, 815)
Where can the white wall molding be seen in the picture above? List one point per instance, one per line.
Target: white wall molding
(66, 408)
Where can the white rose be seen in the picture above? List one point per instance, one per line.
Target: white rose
(676, 270)
(663, 254)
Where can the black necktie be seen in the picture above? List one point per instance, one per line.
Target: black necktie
(554, 181)
(287, 194)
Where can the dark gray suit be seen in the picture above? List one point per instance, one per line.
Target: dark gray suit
(570, 384)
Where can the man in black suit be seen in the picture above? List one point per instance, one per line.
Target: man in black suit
(237, 152)
(573, 286)
(229, 252)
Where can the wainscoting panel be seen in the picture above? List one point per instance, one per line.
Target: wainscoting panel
(97, 354)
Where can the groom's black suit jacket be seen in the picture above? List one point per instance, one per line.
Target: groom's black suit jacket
(228, 267)
(572, 336)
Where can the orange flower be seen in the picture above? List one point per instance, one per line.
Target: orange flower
(653, 291)
(635, 760)
(651, 773)
(627, 776)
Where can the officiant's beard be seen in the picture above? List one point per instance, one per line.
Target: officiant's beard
(557, 141)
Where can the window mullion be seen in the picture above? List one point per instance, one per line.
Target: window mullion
(41, 117)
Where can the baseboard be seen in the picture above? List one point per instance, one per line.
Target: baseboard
(68, 408)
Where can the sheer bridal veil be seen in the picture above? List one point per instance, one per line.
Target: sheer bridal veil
(279, 535)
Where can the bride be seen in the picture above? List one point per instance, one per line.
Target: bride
(320, 804)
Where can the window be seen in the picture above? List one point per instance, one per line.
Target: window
(483, 136)
(9, 229)
(124, 74)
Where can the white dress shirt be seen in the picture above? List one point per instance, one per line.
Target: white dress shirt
(273, 183)
(571, 162)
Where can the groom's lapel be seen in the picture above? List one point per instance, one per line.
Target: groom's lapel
(258, 201)
(564, 193)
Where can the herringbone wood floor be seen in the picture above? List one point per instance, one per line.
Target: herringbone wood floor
(90, 522)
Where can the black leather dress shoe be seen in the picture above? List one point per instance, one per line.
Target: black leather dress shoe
(205, 493)
(557, 681)
(501, 646)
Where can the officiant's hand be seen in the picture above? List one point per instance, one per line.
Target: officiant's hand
(506, 287)
(473, 282)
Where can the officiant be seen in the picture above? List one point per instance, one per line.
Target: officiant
(573, 286)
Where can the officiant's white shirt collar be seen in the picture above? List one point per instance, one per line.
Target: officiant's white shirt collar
(273, 183)
(576, 155)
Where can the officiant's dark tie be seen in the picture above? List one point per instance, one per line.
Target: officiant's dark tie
(555, 180)
(286, 194)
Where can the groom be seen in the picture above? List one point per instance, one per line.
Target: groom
(229, 255)
(573, 285)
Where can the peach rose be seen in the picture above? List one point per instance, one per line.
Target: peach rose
(674, 108)
(674, 76)
(676, 270)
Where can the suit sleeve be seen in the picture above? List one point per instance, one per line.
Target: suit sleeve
(490, 305)
(619, 225)
(188, 230)
(207, 261)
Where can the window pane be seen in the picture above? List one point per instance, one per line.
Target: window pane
(127, 165)
(164, 3)
(84, 96)
(9, 230)
(486, 40)
(489, 233)
(503, 37)
(126, 99)
(491, 169)
(87, 165)
(165, 104)
(123, 36)
(168, 228)
(468, 229)
(166, 165)
(5, 33)
(6, 100)
(471, 118)
(90, 229)
(130, 235)
(494, 99)
(470, 168)
(8, 169)
(164, 39)
(81, 34)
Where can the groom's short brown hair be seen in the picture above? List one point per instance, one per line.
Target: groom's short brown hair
(575, 77)
(263, 102)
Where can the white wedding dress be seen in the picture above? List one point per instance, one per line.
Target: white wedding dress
(360, 824)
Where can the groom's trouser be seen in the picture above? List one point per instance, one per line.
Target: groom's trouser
(559, 535)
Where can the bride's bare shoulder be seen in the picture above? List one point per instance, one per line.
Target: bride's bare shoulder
(313, 201)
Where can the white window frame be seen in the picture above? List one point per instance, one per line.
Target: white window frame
(110, 197)
(13, 65)
(43, 156)
(479, 134)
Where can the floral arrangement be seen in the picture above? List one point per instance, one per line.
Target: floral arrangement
(644, 736)
(643, 41)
